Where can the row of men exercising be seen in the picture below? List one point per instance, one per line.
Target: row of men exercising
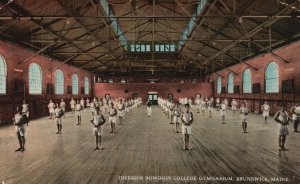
(204, 104)
(105, 102)
(21, 119)
(175, 114)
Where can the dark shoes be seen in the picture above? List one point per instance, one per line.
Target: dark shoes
(20, 149)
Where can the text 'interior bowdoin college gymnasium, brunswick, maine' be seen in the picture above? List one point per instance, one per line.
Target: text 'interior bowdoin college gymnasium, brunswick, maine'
(149, 91)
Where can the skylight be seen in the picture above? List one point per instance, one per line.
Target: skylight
(192, 23)
(114, 23)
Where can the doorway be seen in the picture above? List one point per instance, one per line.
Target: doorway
(152, 96)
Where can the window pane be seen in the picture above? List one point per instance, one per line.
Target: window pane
(86, 86)
(247, 81)
(132, 48)
(143, 49)
(3, 75)
(137, 48)
(74, 84)
(156, 48)
(172, 48)
(35, 79)
(230, 83)
(167, 48)
(148, 48)
(162, 48)
(219, 81)
(272, 84)
(59, 82)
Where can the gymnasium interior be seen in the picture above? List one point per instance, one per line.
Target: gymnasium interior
(246, 51)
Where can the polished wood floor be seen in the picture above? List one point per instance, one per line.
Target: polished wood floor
(146, 146)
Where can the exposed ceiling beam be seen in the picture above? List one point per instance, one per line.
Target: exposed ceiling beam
(254, 31)
(35, 54)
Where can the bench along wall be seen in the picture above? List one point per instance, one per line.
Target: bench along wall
(163, 89)
(287, 71)
(37, 103)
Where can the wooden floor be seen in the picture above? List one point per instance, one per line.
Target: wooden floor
(148, 147)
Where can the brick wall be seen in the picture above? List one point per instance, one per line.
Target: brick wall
(286, 71)
(37, 103)
(163, 89)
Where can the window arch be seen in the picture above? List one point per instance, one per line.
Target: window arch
(74, 84)
(271, 79)
(3, 75)
(247, 81)
(35, 79)
(219, 85)
(59, 82)
(86, 86)
(230, 83)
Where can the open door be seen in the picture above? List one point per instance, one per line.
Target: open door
(152, 96)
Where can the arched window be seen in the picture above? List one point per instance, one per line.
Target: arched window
(74, 84)
(86, 86)
(35, 79)
(219, 85)
(59, 82)
(247, 81)
(230, 83)
(3, 75)
(272, 85)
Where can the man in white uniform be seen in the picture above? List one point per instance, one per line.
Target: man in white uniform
(87, 101)
(177, 114)
(296, 116)
(149, 108)
(171, 108)
(112, 118)
(78, 108)
(190, 102)
(58, 114)
(226, 102)
(51, 107)
(19, 121)
(25, 109)
(283, 119)
(233, 105)
(265, 111)
(82, 103)
(223, 111)
(244, 116)
(98, 121)
(63, 105)
(218, 104)
(121, 108)
(72, 104)
(197, 102)
(187, 120)
(210, 107)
